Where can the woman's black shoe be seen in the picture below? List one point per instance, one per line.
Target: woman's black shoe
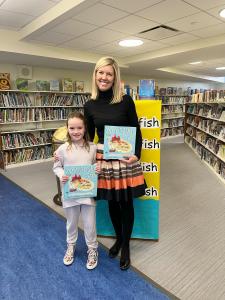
(114, 250)
(125, 259)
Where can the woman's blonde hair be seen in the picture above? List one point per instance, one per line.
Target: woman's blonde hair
(117, 92)
(80, 116)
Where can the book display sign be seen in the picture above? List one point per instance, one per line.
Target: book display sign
(82, 182)
(119, 142)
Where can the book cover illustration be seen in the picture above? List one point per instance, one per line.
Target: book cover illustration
(22, 84)
(82, 182)
(119, 142)
(67, 84)
(146, 89)
(54, 85)
(79, 86)
(42, 85)
(5, 81)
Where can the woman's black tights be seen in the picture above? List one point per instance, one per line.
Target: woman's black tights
(122, 217)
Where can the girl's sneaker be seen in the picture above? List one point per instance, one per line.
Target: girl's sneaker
(69, 255)
(92, 260)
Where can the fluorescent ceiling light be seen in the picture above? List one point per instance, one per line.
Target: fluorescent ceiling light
(130, 43)
(220, 68)
(195, 63)
(222, 13)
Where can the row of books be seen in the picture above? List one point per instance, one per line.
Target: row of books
(209, 126)
(172, 123)
(173, 109)
(211, 143)
(207, 156)
(172, 131)
(35, 114)
(65, 85)
(28, 154)
(15, 140)
(14, 99)
(216, 111)
(173, 100)
(207, 96)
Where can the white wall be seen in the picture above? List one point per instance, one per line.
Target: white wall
(41, 73)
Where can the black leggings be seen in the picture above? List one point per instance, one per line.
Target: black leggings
(122, 217)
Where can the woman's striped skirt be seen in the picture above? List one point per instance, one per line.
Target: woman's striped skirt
(119, 181)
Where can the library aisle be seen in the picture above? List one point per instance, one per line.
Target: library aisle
(188, 259)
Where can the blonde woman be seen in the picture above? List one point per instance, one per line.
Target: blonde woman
(120, 180)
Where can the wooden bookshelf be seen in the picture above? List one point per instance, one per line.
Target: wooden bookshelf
(28, 121)
(205, 133)
(173, 113)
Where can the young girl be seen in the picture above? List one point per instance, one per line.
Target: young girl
(78, 151)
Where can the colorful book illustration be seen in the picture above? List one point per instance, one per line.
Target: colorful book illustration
(54, 85)
(22, 84)
(5, 81)
(67, 84)
(42, 85)
(79, 86)
(82, 182)
(119, 142)
(146, 89)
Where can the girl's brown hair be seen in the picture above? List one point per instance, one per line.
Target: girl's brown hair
(80, 116)
(117, 92)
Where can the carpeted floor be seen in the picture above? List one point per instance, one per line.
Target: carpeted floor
(31, 252)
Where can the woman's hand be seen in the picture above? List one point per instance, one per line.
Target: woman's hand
(130, 160)
(64, 178)
(97, 168)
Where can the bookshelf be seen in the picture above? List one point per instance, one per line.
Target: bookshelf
(205, 131)
(28, 121)
(173, 113)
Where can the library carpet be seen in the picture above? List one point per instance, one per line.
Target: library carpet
(31, 252)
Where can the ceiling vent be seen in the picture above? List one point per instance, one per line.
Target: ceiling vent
(159, 32)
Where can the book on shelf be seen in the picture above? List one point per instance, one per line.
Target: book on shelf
(67, 85)
(146, 89)
(162, 91)
(79, 86)
(82, 182)
(42, 85)
(22, 84)
(119, 142)
(5, 81)
(54, 85)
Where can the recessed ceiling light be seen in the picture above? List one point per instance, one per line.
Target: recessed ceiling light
(195, 63)
(130, 43)
(222, 13)
(220, 68)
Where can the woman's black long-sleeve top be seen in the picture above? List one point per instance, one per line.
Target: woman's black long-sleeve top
(100, 112)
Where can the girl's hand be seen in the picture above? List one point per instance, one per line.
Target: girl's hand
(56, 157)
(130, 160)
(64, 178)
(97, 168)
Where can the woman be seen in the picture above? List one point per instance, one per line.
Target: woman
(120, 180)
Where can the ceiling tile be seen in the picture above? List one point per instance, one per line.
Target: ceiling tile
(215, 12)
(179, 39)
(81, 43)
(158, 33)
(32, 8)
(104, 35)
(52, 37)
(210, 31)
(132, 24)
(168, 10)
(197, 21)
(100, 15)
(131, 6)
(74, 28)
(14, 20)
(206, 4)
